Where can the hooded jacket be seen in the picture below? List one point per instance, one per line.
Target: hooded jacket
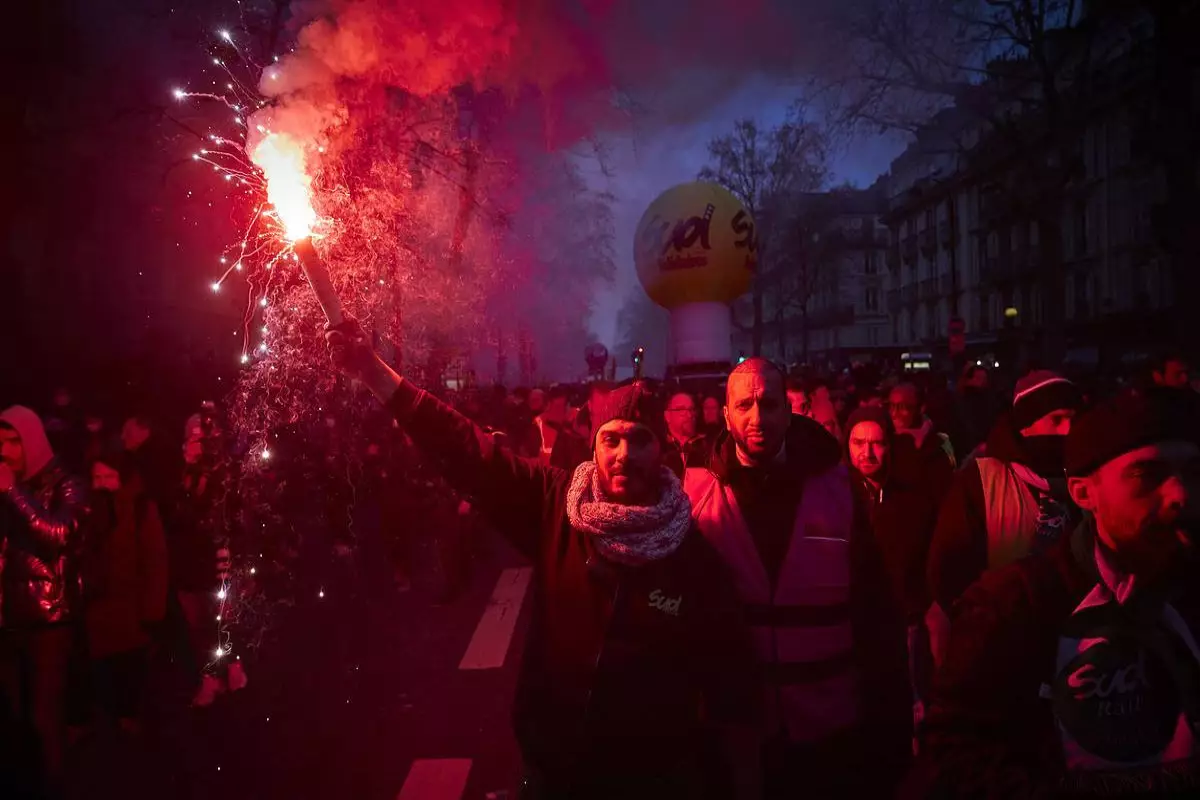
(966, 543)
(41, 519)
(623, 666)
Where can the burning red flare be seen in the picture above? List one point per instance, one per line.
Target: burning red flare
(289, 186)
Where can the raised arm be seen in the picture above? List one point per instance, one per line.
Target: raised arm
(511, 491)
(53, 525)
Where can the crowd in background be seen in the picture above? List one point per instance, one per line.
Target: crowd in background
(118, 542)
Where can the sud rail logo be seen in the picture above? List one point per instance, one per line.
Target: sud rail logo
(672, 243)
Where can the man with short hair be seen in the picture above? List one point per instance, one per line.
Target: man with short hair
(903, 514)
(777, 503)
(1076, 672)
(684, 447)
(923, 452)
(636, 651)
(42, 514)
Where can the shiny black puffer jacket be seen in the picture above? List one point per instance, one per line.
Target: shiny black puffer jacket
(41, 527)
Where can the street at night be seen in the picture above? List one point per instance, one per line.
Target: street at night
(600, 400)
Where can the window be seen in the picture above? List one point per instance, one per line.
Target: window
(985, 318)
(871, 301)
(869, 265)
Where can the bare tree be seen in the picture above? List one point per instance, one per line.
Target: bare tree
(1002, 86)
(766, 169)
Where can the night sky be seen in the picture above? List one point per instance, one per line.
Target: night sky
(662, 157)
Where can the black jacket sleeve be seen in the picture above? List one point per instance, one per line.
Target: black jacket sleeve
(958, 553)
(880, 650)
(512, 492)
(725, 658)
(982, 733)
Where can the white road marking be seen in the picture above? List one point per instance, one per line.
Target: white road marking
(436, 779)
(493, 635)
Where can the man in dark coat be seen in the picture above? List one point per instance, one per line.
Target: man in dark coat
(1075, 672)
(636, 650)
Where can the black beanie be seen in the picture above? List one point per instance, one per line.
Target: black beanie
(1040, 393)
(632, 403)
(1125, 423)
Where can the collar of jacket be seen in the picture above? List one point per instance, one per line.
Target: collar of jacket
(809, 449)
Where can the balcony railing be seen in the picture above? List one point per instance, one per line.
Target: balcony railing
(893, 258)
(908, 249)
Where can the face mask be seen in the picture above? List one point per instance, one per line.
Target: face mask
(1045, 455)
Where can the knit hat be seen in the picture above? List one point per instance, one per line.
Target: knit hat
(1040, 393)
(632, 403)
(1125, 423)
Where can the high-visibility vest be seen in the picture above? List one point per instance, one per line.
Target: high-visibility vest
(802, 629)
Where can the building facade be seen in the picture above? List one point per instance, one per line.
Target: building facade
(828, 301)
(968, 245)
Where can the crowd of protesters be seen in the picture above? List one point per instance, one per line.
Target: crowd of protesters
(857, 585)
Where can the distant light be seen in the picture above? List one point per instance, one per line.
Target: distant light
(979, 363)
(224, 35)
(245, 359)
(218, 617)
(221, 593)
(262, 302)
(321, 593)
(238, 266)
(217, 61)
(253, 570)
(1011, 313)
(179, 93)
(996, 365)
(266, 455)
(217, 654)
(264, 330)
(216, 287)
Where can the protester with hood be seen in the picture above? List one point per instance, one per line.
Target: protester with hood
(1076, 673)
(777, 503)
(1011, 502)
(42, 513)
(922, 452)
(636, 645)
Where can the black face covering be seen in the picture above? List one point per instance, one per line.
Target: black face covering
(1045, 455)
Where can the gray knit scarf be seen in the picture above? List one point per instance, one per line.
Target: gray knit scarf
(626, 534)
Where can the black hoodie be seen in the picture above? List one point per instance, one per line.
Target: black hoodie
(959, 552)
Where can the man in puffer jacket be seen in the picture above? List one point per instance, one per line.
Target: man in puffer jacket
(42, 510)
(1076, 672)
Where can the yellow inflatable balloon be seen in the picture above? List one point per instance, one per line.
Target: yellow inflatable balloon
(696, 243)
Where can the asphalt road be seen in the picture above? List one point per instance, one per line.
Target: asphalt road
(358, 692)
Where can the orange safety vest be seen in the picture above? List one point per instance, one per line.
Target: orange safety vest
(802, 630)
